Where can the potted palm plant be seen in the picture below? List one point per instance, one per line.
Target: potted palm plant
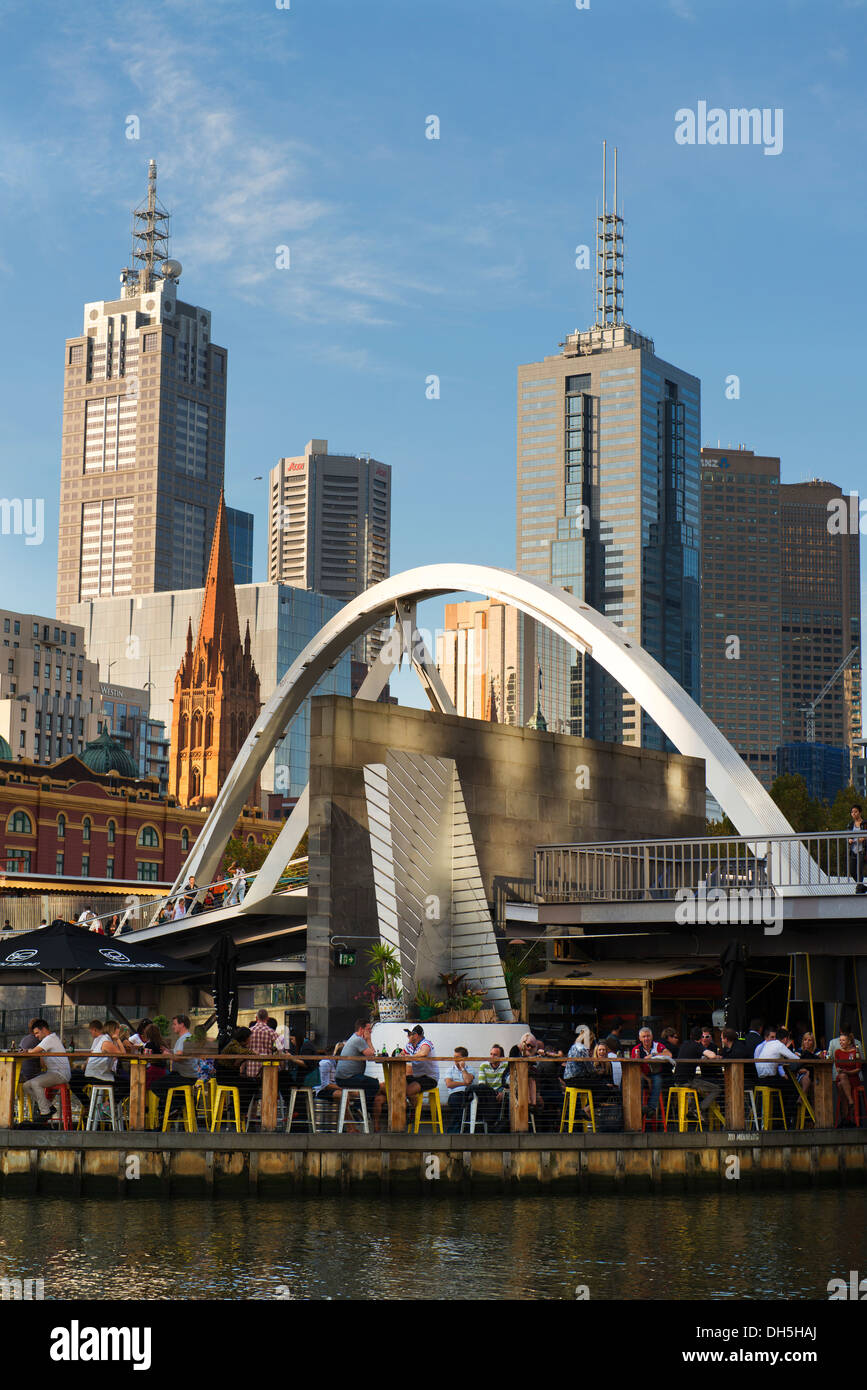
(427, 1006)
(385, 977)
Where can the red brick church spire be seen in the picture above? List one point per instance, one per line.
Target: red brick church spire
(216, 698)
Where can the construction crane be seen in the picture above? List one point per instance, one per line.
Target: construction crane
(809, 711)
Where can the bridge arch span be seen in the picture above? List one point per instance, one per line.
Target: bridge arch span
(735, 787)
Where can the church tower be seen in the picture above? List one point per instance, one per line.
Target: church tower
(216, 700)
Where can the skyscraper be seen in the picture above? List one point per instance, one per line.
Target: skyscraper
(240, 526)
(329, 527)
(821, 613)
(608, 501)
(480, 655)
(741, 655)
(144, 413)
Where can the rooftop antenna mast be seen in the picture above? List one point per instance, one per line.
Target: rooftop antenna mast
(609, 254)
(150, 234)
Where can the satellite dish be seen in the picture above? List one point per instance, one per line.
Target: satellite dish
(172, 269)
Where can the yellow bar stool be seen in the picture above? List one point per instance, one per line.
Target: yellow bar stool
(574, 1098)
(205, 1099)
(765, 1096)
(221, 1093)
(683, 1095)
(190, 1124)
(435, 1111)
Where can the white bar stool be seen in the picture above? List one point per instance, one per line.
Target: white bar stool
(468, 1118)
(341, 1117)
(307, 1095)
(93, 1118)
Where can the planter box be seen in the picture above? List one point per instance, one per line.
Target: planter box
(391, 1010)
(467, 1016)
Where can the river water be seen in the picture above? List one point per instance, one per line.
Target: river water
(773, 1245)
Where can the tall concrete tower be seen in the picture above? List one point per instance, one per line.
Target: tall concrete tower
(144, 420)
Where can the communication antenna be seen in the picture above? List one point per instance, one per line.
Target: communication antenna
(609, 254)
(150, 234)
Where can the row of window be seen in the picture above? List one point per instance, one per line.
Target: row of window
(20, 861)
(20, 823)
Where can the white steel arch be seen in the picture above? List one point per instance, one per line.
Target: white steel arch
(737, 790)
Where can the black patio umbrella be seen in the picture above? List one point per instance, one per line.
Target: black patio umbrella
(64, 953)
(224, 961)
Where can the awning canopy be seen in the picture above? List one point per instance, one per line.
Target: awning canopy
(610, 974)
(96, 887)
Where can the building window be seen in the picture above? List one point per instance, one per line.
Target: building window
(112, 830)
(18, 861)
(58, 864)
(85, 866)
(109, 868)
(148, 837)
(147, 871)
(19, 823)
(61, 827)
(185, 840)
(85, 828)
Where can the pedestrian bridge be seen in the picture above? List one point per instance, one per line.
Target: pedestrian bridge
(801, 889)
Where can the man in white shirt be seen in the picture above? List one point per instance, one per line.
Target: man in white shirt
(769, 1055)
(87, 916)
(57, 1069)
(458, 1077)
(102, 1062)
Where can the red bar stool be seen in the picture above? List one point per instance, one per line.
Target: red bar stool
(859, 1103)
(65, 1106)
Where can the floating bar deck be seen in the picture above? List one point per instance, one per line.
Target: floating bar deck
(131, 1164)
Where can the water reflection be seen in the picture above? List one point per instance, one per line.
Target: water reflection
(766, 1245)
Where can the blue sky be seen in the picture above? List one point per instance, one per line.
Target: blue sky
(409, 257)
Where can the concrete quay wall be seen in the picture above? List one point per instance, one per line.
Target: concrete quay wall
(215, 1165)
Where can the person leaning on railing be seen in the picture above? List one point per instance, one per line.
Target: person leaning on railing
(857, 844)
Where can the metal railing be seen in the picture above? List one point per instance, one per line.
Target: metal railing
(649, 870)
(632, 1108)
(181, 904)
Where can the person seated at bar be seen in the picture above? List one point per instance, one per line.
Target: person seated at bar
(491, 1085)
(578, 1057)
(100, 1065)
(229, 1067)
(459, 1078)
(529, 1046)
(612, 1044)
(184, 1069)
(690, 1054)
(847, 1065)
(154, 1045)
(806, 1051)
(776, 1048)
(651, 1072)
(600, 1080)
(121, 1067)
(423, 1073)
(57, 1070)
(352, 1074)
